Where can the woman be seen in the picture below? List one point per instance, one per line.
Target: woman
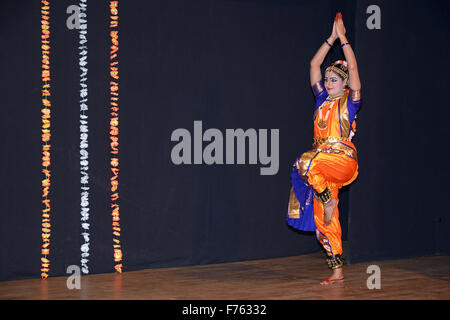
(318, 174)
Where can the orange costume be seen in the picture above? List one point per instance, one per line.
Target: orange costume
(318, 174)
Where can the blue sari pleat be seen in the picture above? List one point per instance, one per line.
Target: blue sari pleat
(305, 197)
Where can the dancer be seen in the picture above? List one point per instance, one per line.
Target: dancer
(318, 174)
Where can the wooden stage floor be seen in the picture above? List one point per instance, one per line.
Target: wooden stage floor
(289, 278)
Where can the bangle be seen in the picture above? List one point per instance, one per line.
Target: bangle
(342, 45)
(326, 41)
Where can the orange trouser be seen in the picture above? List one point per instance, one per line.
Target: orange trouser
(332, 171)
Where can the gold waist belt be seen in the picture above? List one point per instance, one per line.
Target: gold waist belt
(318, 141)
(330, 145)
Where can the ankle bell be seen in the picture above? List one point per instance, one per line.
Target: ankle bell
(324, 197)
(335, 261)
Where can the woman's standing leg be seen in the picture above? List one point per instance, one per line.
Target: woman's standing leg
(330, 236)
(327, 173)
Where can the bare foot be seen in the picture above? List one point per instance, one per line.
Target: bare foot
(328, 209)
(336, 276)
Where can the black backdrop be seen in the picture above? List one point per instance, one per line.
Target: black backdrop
(229, 64)
(397, 205)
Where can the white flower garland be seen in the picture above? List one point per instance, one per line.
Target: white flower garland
(84, 155)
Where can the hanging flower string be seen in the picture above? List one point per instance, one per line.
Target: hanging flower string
(45, 137)
(84, 155)
(114, 132)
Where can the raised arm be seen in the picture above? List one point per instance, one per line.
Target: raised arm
(315, 75)
(353, 76)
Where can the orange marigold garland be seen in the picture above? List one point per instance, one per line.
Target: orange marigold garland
(114, 132)
(45, 137)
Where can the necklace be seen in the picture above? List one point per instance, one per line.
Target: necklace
(334, 98)
(322, 124)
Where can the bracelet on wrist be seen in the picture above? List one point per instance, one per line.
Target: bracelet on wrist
(326, 41)
(342, 45)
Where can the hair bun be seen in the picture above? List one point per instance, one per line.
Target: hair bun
(342, 63)
(340, 67)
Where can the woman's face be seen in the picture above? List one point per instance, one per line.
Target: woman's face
(334, 84)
